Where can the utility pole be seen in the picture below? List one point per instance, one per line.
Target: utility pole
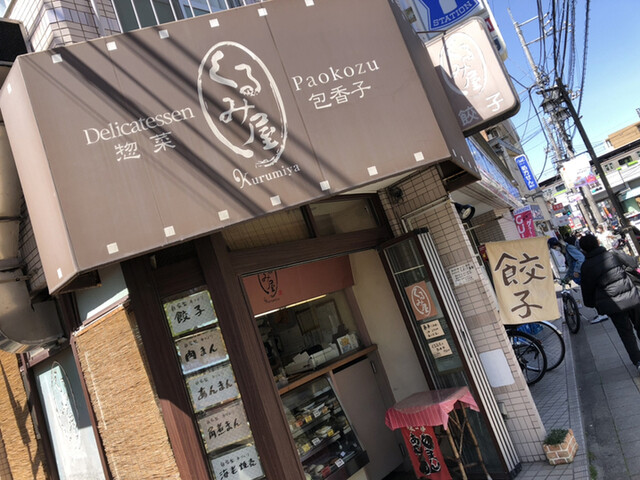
(592, 215)
(615, 201)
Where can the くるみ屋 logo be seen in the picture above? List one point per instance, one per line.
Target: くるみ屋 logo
(242, 104)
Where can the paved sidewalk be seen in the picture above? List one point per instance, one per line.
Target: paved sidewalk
(556, 397)
(610, 395)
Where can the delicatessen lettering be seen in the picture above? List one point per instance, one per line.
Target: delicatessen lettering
(115, 130)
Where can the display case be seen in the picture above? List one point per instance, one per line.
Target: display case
(326, 442)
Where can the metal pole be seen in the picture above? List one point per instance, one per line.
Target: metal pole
(615, 201)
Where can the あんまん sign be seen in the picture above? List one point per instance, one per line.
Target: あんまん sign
(179, 130)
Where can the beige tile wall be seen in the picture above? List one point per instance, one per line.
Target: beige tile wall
(50, 24)
(476, 299)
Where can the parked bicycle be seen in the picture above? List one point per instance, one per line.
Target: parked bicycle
(529, 353)
(551, 339)
(570, 309)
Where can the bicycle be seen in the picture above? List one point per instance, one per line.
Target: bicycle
(551, 339)
(570, 308)
(529, 353)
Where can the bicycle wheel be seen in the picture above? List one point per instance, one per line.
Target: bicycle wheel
(530, 355)
(571, 313)
(551, 339)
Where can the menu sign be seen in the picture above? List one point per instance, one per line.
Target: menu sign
(432, 329)
(212, 386)
(242, 464)
(190, 312)
(440, 348)
(223, 427)
(201, 350)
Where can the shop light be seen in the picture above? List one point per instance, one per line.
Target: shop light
(305, 301)
(289, 306)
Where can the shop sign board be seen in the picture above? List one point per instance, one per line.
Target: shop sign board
(224, 427)
(474, 77)
(274, 289)
(201, 350)
(177, 131)
(422, 303)
(442, 14)
(524, 222)
(523, 279)
(212, 387)
(190, 312)
(527, 173)
(241, 464)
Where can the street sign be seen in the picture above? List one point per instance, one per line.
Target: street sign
(527, 173)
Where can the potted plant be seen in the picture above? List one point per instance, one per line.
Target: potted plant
(560, 446)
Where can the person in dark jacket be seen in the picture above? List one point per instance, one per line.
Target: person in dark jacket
(607, 288)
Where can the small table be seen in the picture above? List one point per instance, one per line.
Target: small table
(436, 408)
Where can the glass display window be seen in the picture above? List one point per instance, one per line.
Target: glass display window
(326, 442)
(303, 336)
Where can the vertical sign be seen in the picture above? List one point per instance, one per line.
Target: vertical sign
(523, 280)
(527, 173)
(524, 222)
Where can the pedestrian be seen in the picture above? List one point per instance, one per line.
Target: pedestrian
(605, 237)
(607, 287)
(573, 258)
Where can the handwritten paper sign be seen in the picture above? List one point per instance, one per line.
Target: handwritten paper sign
(223, 427)
(212, 386)
(440, 348)
(201, 350)
(242, 464)
(432, 329)
(190, 312)
(463, 274)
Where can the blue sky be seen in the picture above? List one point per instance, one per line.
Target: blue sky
(612, 86)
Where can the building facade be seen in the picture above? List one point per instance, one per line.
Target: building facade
(246, 341)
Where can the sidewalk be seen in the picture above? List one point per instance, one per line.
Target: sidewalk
(558, 402)
(610, 396)
(596, 387)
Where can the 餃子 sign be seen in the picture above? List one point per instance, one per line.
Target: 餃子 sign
(129, 143)
(523, 280)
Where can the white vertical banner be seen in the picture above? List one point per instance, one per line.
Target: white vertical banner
(523, 280)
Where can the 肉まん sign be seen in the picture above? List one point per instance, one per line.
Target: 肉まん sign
(225, 117)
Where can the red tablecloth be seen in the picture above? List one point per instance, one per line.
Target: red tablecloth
(428, 408)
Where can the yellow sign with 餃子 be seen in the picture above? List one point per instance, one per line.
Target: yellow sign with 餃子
(523, 280)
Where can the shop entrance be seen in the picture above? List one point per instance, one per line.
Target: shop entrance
(447, 356)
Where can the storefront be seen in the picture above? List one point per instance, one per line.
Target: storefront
(233, 308)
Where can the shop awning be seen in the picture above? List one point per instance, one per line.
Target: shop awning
(629, 194)
(130, 143)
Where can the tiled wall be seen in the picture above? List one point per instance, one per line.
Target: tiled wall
(476, 299)
(55, 23)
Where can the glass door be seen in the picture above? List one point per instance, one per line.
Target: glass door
(442, 349)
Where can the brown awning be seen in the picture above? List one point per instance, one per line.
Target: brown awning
(129, 143)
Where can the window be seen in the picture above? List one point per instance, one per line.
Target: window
(134, 14)
(609, 167)
(624, 161)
